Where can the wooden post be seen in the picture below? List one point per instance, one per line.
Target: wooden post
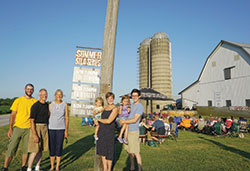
(109, 47)
(108, 54)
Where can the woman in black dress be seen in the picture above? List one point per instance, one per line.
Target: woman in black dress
(106, 134)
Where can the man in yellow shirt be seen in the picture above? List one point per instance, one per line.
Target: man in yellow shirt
(19, 126)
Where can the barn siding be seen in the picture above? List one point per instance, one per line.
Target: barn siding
(213, 86)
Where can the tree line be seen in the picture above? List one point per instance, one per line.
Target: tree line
(5, 105)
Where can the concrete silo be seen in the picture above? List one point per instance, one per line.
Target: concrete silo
(144, 70)
(160, 56)
(144, 63)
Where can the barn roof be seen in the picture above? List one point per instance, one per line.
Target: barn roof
(244, 46)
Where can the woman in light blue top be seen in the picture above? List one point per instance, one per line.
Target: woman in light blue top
(58, 128)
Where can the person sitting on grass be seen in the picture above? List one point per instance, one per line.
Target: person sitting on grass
(143, 129)
(150, 116)
(159, 127)
(124, 111)
(167, 126)
(201, 124)
(194, 123)
(185, 123)
(218, 127)
(173, 126)
(207, 129)
(229, 122)
(213, 121)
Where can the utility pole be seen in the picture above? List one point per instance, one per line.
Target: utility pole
(108, 52)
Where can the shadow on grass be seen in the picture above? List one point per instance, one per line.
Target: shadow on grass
(227, 148)
(72, 152)
(128, 164)
(118, 150)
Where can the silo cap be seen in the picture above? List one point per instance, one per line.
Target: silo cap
(145, 42)
(160, 35)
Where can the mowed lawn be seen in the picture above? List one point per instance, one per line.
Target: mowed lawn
(192, 151)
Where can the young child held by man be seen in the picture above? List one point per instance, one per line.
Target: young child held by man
(124, 111)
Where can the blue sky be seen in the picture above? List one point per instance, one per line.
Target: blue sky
(38, 38)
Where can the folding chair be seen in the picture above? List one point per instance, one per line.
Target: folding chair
(84, 121)
(90, 122)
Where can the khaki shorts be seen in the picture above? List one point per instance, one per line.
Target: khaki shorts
(42, 133)
(133, 146)
(18, 135)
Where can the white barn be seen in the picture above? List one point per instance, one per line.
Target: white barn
(224, 79)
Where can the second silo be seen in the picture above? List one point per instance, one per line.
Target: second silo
(144, 63)
(144, 70)
(160, 56)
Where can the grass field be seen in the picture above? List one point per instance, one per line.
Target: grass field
(192, 152)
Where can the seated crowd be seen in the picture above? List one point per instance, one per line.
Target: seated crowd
(157, 127)
(215, 125)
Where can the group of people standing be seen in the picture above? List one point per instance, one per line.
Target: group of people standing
(129, 120)
(39, 126)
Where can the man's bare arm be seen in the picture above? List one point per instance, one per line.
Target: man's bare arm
(33, 130)
(11, 122)
(133, 120)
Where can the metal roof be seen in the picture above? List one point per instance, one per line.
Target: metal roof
(244, 46)
(238, 44)
(247, 50)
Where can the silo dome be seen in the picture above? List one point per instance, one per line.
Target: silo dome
(146, 42)
(159, 35)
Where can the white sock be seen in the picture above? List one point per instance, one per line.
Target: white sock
(37, 168)
(29, 169)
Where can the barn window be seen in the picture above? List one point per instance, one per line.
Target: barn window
(210, 103)
(228, 103)
(157, 106)
(227, 73)
(248, 102)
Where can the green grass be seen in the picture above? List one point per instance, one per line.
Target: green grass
(192, 151)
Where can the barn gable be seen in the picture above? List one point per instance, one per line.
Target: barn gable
(242, 50)
(224, 79)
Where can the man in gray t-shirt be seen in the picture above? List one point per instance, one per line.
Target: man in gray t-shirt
(133, 147)
(135, 109)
